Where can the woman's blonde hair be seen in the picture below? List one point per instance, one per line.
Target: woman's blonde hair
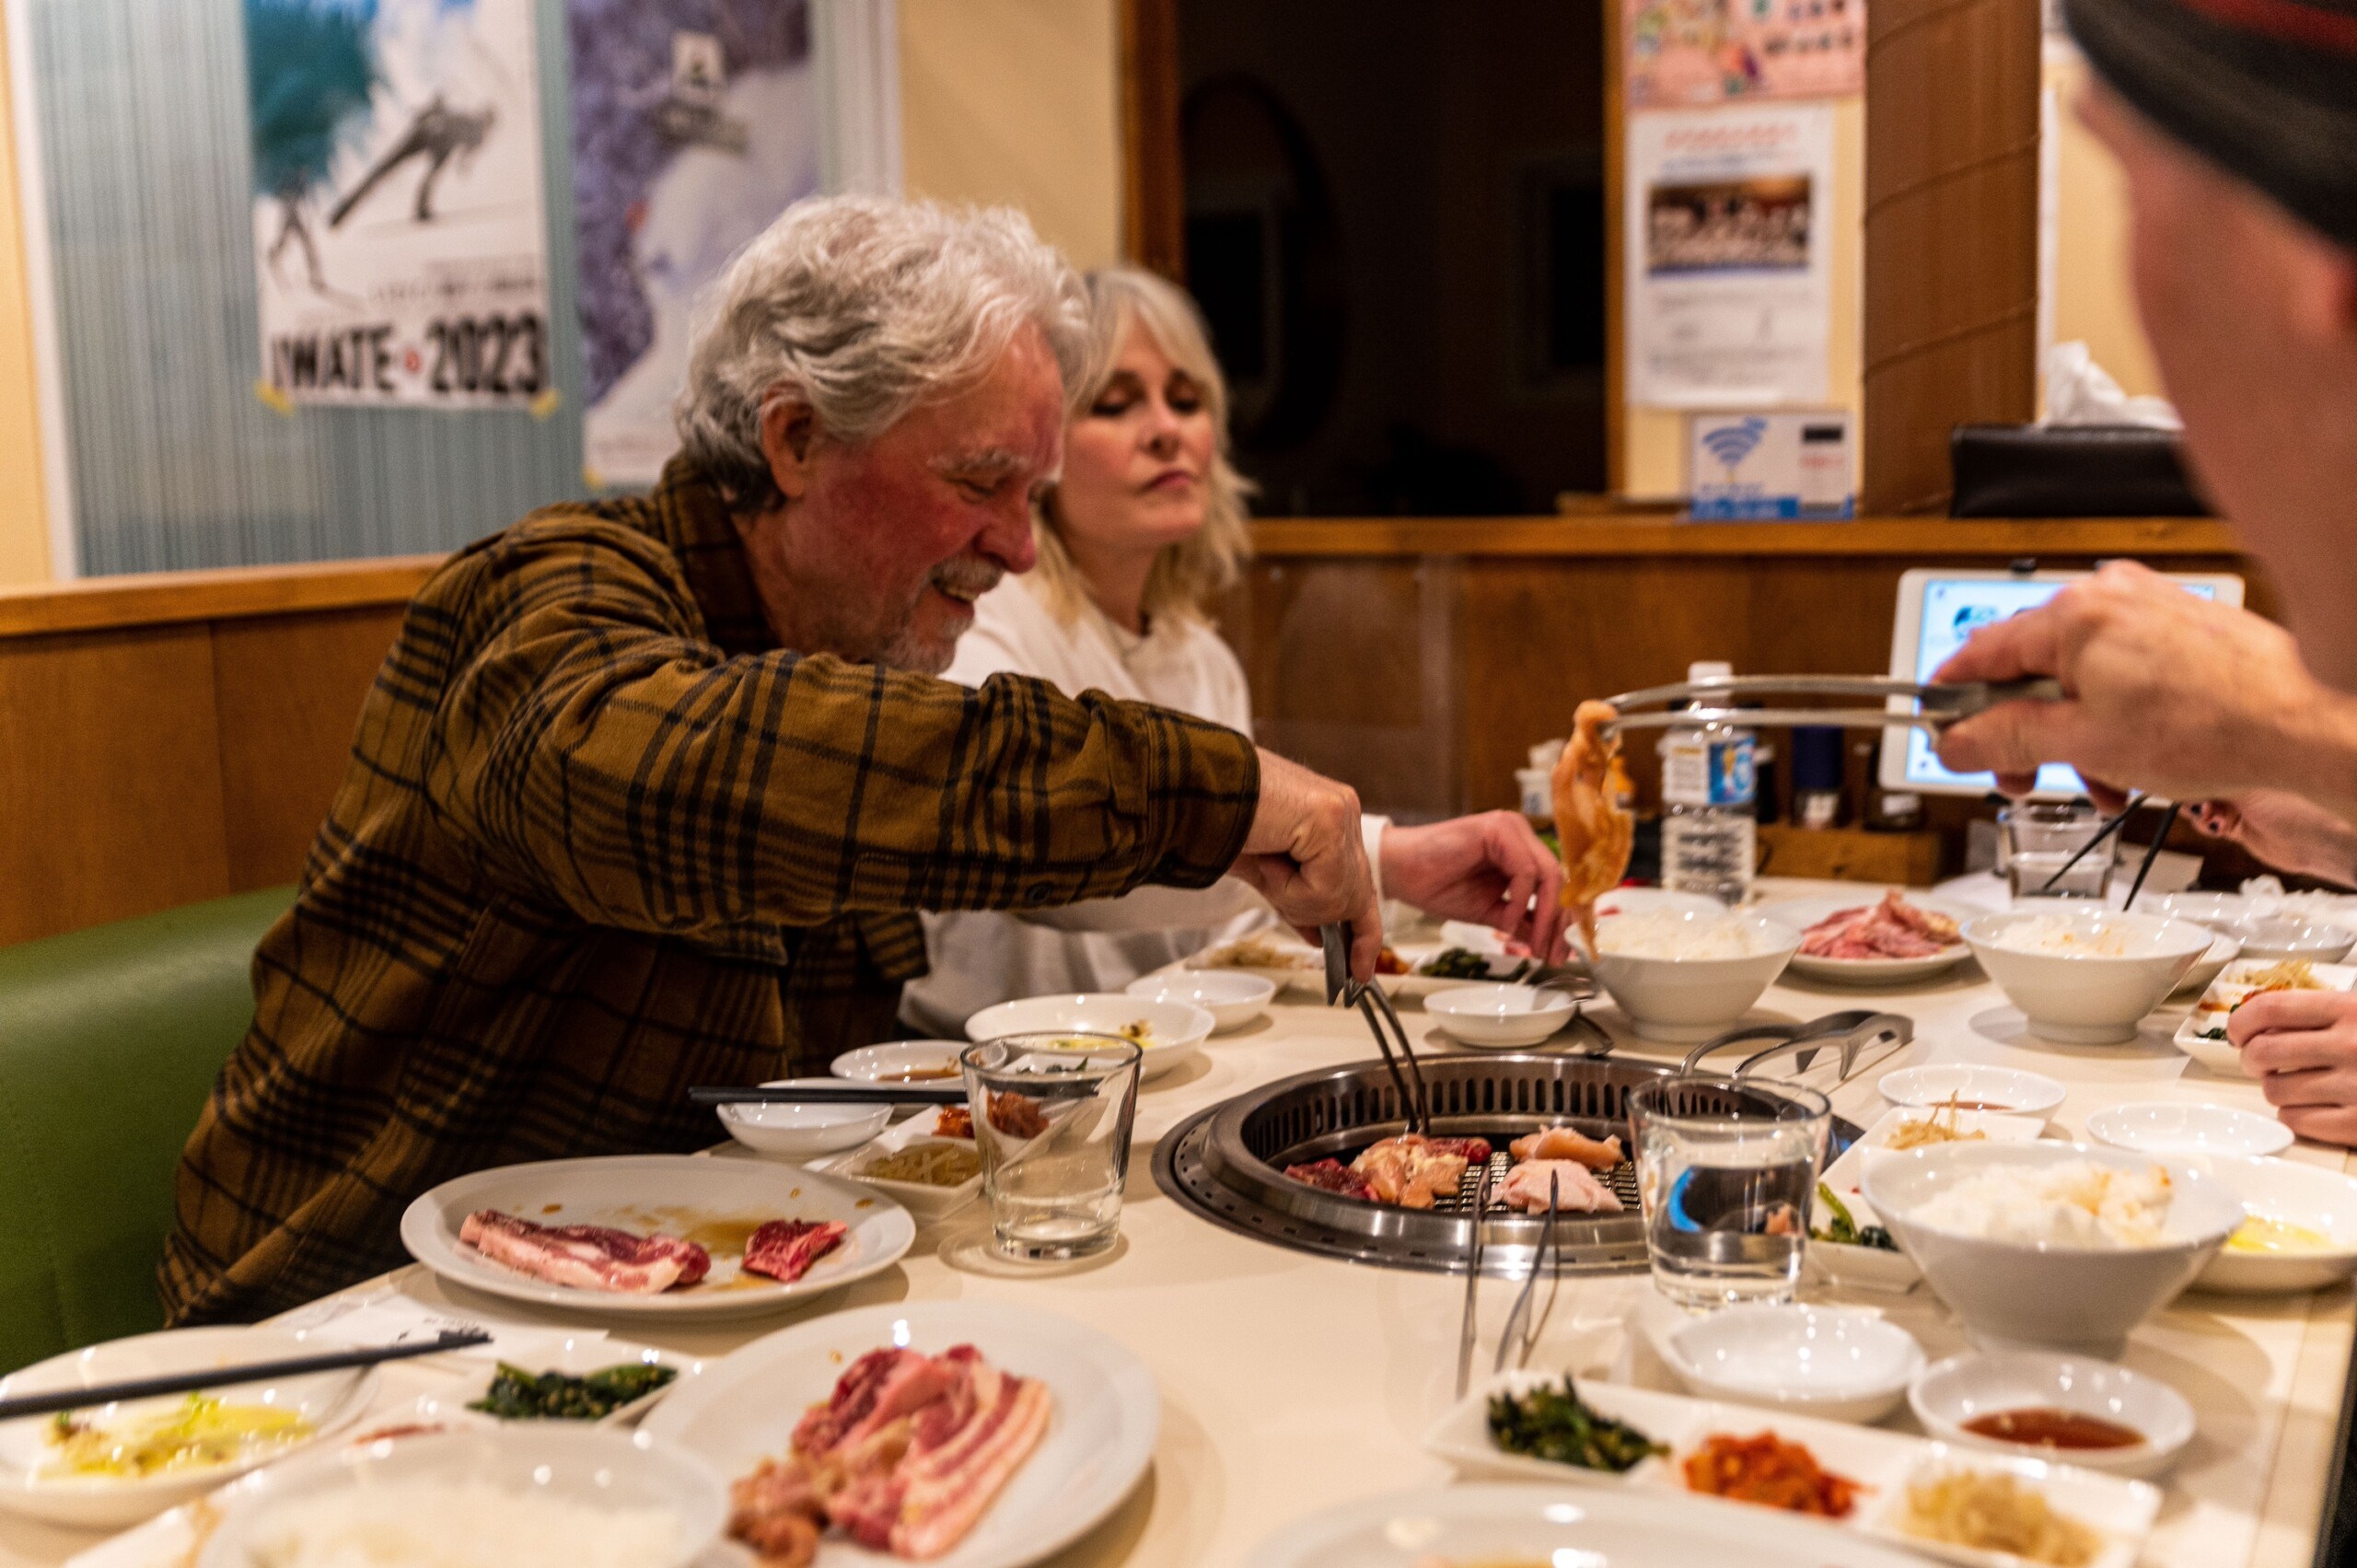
(1189, 575)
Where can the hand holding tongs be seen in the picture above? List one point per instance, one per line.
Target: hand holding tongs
(1938, 705)
(1369, 999)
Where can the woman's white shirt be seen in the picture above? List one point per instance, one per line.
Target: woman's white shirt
(982, 958)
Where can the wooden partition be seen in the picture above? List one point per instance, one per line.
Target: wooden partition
(174, 737)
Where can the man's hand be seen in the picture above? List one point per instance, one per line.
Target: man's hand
(2287, 831)
(2164, 692)
(1305, 855)
(1489, 869)
(2301, 1047)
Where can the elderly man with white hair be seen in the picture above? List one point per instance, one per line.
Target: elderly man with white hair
(648, 792)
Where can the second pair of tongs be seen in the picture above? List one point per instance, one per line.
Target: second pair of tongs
(1368, 998)
(1853, 1040)
(1937, 704)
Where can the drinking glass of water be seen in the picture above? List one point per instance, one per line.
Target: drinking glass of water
(1053, 1114)
(1726, 1168)
(2040, 838)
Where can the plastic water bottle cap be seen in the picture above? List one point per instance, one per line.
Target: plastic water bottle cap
(1710, 669)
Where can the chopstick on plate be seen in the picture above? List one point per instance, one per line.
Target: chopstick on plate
(230, 1377)
(846, 1093)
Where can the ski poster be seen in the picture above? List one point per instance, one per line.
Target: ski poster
(695, 123)
(400, 236)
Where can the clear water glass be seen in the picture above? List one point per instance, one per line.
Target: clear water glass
(1726, 1169)
(2040, 838)
(1053, 1114)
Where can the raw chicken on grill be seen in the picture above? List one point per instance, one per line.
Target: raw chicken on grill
(1891, 929)
(1412, 1170)
(1594, 828)
(1576, 1189)
(1569, 1144)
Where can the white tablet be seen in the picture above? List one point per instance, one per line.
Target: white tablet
(1939, 608)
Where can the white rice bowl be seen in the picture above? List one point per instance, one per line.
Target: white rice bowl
(1684, 974)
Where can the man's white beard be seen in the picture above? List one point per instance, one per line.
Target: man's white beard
(961, 578)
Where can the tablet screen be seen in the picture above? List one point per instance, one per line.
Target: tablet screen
(1954, 607)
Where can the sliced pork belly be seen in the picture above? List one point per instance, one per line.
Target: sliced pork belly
(586, 1257)
(1577, 1189)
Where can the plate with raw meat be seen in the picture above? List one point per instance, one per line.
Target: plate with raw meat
(967, 1434)
(1864, 939)
(640, 1236)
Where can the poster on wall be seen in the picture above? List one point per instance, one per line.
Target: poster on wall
(399, 239)
(1677, 53)
(695, 123)
(1728, 256)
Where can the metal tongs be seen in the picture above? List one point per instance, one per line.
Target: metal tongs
(1369, 999)
(1855, 1040)
(1522, 1324)
(1935, 704)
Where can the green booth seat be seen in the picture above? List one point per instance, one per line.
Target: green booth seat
(110, 1041)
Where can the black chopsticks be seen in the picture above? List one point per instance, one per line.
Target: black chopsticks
(2126, 810)
(230, 1377)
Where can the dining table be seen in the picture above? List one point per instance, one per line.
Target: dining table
(1289, 1382)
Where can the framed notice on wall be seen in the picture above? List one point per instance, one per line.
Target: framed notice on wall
(1728, 255)
(399, 240)
(1678, 53)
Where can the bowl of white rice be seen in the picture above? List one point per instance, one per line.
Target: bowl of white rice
(2060, 1246)
(526, 1496)
(2084, 977)
(1683, 974)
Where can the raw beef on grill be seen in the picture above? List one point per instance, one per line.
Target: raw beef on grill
(904, 1455)
(785, 1249)
(588, 1256)
(1333, 1176)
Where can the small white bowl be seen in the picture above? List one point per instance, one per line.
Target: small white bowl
(2216, 910)
(328, 1401)
(1841, 1366)
(902, 1062)
(2223, 1057)
(2210, 965)
(2161, 1127)
(1233, 998)
(2088, 998)
(1978, 1383)
(1175, 1030)
(1501, 1015)
(2302, 1194)
(2284, 936)
(1981, 1088)
(802, 1131)
(581, 1467)
(1684, 1001)
(2014, 1295)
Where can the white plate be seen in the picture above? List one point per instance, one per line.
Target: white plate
(2202, 1035)
(914, 1196)
(1879, 1461)
(650, 1193)
(874, 1063)
(805, 1131)
(580, 1467)
(1233, 998)
(1832, 1363)
(1100, 1439)
(1297, 963)
(2285, 1189)
(2162, 1127)
(328, 1401)
(1177, 1030)
(1801, 914)
(2279, 937)
(1978, 1383)
(2000, 1088)
(1483, 1525)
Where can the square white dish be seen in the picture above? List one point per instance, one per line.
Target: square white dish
(929, 1203)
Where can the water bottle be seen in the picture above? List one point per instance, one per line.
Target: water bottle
(1707, 785)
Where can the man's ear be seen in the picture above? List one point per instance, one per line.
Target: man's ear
(789, 432)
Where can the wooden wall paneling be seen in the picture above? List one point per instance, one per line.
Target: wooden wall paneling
(1154, 195)
(110, 779)
(289, 692)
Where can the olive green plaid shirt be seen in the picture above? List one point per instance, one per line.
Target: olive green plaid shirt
(601, 839)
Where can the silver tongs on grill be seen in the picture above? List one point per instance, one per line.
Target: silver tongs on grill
(1369, 999)
(1907, 703)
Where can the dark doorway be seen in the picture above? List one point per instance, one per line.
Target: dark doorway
(1394, 224)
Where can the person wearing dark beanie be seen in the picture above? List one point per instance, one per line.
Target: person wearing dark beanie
(2236, 124)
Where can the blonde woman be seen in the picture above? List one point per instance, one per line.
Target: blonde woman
(1145, 528)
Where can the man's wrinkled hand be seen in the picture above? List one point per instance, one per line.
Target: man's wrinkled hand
(1305, 855)
(2164, 691)
(2301, 1047)
(1490, 867)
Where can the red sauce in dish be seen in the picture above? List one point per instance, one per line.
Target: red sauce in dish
(2047, 1427)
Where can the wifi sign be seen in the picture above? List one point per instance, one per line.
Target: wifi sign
(1730, 444)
